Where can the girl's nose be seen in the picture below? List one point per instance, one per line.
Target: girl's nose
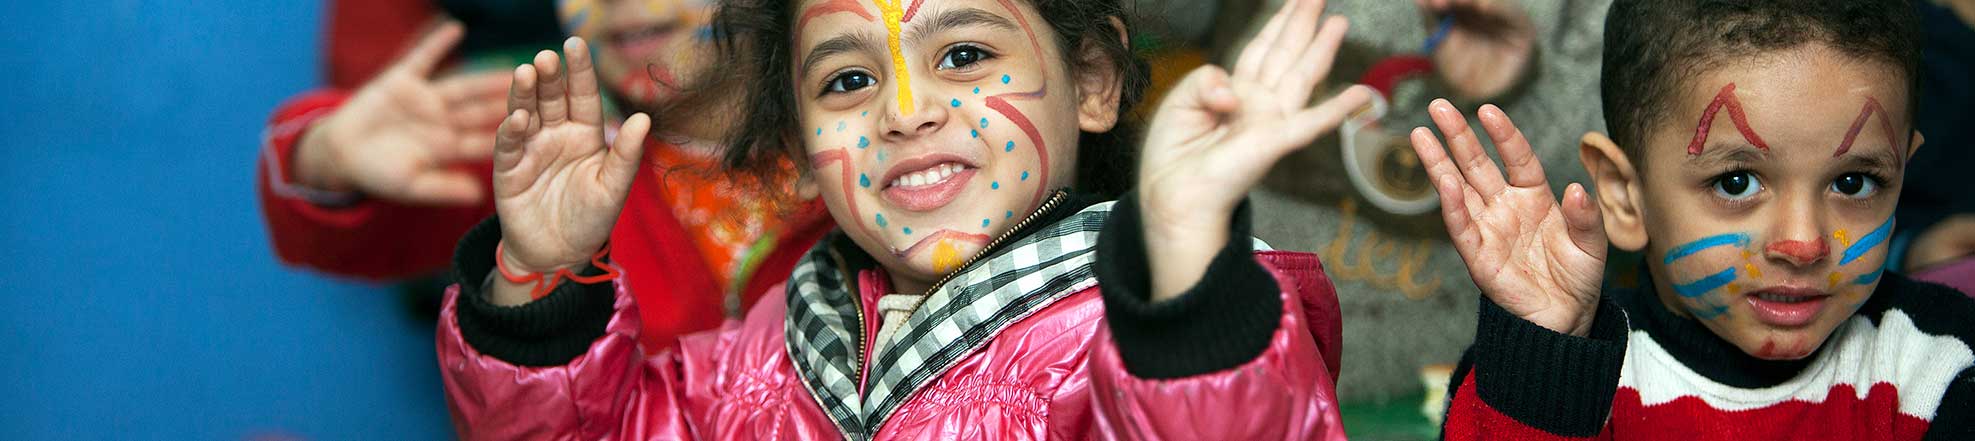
(1799, 253)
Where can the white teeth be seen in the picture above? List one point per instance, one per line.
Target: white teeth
(930, 176)
(1782, 298)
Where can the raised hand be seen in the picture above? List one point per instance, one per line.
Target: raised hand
(557, 188)
(400, 136)
(1540, 261)
(1487, 50)
(1217, 134)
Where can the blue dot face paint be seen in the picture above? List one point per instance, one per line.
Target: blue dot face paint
(994, 185)
(908, 231)
(881, 221)
(1010, 215)
(983, 123)
(974, 133)
(977, 91)
(863, 142)
(1025, 175)
(864, 180)
(984, 223)
(956, 102)
(1009, 148)
(1005, 79)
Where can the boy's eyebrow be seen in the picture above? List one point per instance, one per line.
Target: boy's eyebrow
(841, 44)
(1728, 154)
(958, 18)
(1882, 159)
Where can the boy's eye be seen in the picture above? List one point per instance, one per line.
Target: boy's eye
(849, 82)
(1856, 185)
(962, 56)
(1737, 185)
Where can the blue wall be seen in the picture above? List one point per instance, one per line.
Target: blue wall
(138, 295)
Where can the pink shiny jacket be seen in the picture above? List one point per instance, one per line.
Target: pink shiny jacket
(1054, 373)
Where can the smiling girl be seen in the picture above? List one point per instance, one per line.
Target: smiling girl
(980, 286)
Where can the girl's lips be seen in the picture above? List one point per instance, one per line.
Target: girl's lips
(1787, 307)
(926, 182)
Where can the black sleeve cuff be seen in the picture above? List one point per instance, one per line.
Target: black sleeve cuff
(550, 331)
(1551, 381)
(1224, 321)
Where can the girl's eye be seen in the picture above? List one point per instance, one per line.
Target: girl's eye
(848, 82)
(962, 56)
(1737, 185)
(1855, 185)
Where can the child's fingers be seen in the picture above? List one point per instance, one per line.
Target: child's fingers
(1248, 66)
(473, 88)
(432, 49)
(1315, 62)
(552, 93)
(1517, 155)
(1453, 211)
(1433, 156)
(1466, 147)
(585, 102)
(1587, 229)
(509, 140)
(1306, 126)
(1296, 33)
(443, 187)
(521, 93)
(1206, 88)
(621, 164)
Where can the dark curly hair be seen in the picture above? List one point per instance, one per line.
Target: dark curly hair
(753, 44)
(1654, 47)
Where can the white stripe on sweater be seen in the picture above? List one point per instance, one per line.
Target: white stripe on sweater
(1918, 364)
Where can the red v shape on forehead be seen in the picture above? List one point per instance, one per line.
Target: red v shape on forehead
(1885, 123)
(1725, 99)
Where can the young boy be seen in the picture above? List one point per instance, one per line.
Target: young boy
(1756, 155)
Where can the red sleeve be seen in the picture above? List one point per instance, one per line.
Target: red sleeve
(365, 35)
(342, 234)
(1520, 381)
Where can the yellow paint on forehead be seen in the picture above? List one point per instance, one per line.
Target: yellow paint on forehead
(894, 12)
(946, 257)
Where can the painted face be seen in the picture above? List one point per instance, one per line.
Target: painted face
(641, 44)
(1769, 196)
(932, 126)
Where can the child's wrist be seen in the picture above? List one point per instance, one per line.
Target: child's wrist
(519, 283)
(315, 158)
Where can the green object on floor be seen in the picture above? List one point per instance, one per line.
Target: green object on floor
(1398, 419)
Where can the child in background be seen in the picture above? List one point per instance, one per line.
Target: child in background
(955, 143)
(379, 183)
(1766, 314)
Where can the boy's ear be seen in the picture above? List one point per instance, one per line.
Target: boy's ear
(1915, 147)
(1099, 86)
(1618, 190)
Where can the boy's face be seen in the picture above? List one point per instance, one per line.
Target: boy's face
(933, 126)
(641, 44)
(1768, 195)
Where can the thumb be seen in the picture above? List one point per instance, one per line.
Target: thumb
(1206, 88)
(624, 158)
(1581, 217)
(443, 187)
(432, 48)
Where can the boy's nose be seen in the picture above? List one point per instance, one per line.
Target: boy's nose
(924, 120)
(1798, 252)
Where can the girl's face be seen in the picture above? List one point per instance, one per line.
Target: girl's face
(640, 43)
(933, 126)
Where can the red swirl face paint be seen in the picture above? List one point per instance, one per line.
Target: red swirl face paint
(1725, 99)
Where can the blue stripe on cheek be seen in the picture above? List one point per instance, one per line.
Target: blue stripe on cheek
(1868, 278)
(1867, 243)
(1688, 249)
(1710, 283)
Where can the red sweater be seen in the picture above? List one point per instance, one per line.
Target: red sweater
(375, 239)
(1900, 369)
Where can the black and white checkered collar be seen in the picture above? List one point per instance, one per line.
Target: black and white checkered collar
(823, 332)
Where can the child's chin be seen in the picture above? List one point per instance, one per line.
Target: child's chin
(1784, 345)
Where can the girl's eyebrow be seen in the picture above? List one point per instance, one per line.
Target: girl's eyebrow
(958, 18)
(841, 44)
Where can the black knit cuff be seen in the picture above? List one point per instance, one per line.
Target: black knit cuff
(1224, 321)
(1551, 381)
(550, 331)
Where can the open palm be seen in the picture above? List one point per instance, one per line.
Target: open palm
(557, 188)
(399, 137)
(1537, 259)
(1217, 135)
